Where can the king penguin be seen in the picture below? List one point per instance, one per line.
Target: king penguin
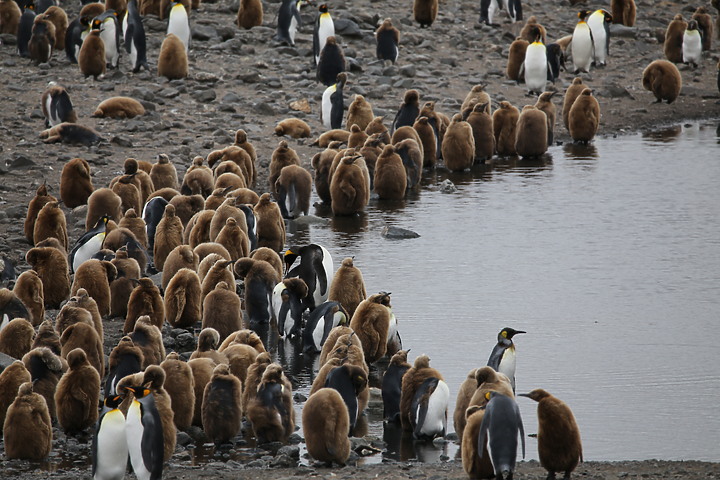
(109, 446)
(429, 409)
(502, 358)
(73, 38)
(319, 323)
(692, 44)
(488, 8)
(582, 44)
(289, 21)
(145, 441)
(89, 244)
(314, 265)
(152, 214)
(333, 105)
(179, 24)
(134, 37)
(24, 31)
(57, 106)
(109, 28)
(324, 28)
(387, 38)
(501, 426)
(535, 68)
(599, 23)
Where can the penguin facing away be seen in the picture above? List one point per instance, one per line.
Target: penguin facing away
(392, 386)
(144, 435)
(331, 62)
(314, 265)
(502, 359)
(24, 30)
(501, 426)
(387, 38)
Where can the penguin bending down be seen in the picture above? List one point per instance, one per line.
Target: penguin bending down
(179, 24)
(24, 30)
(289, 21)
(57, 106)
(152, 214)
(89, 244)
(110, 444)
(144, 429)
(332, 103)
(582, 45)
(324, 318)
(287, 306)
(109, 28)
(429, 409)
(314, 265)
(501, 426)
(599, 22)
(134, 37)
(324, 28)
(502, 358)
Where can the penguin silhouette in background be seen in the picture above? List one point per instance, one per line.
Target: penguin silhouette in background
(502, 358)
(145, 435)
(324, 28)
(501, 426)
(134, 37)
(387, 38)
(333, 103)
(109, 28)
(109, 446)
(89, 244)
(289, 21)
(314, 265)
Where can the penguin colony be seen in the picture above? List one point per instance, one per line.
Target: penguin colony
(232, 372)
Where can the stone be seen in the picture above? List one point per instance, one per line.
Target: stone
(397, 233)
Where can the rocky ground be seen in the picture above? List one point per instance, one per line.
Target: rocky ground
(243, 79)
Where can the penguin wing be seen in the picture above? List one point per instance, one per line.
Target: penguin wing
(549, 69)
(393, 127)
(129, 34)
(482, 434)
(606, 25)
(95, 444)
(320, 273)
(419, 405)
(521, 428)
(521, 73)
(316, 39)
(152, 442)
(496, 357)
(61, 108)
(296, 14)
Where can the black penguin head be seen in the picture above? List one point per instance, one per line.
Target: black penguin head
(582, 14)
(113, 402)
(692, 25)
(102, 221)
(508, 333)
(341, 80)
(323, 8)
(139, 392)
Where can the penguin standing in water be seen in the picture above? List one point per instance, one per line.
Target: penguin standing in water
(349, 381)
(144, 430)
(333, 105)
(109, 28)
(319, 323)
(314, 265)
(502, 358)
(178, 23)
(387, 38)
(501, 426)
(289, 21)
(535, 68)
(287, 306)
(324, 28)
(599, 22)
(392, 386)
(110, 446)
(134, 37)
(89, 244)
(24, 31)
(408, 111)
(423, 400)
(582, 45)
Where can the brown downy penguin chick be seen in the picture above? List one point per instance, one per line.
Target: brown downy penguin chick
(663, 79)
(293, 188)
(282, 156)
(216, 198)
(95, 277)
(425, 12)
(138, 176)
(478, 382)
(241, 140)
(269, 224)
(559, 444)
(163, 173)
(335, 135)
(348, 286)
(231, 181)
(202, 369)
(271, 412)
(51, 222)
(136, 225)
(545, 104)
(11, 378)
(325, 422)
(704, 20)
(411, 153)
(180, 385)
(72, 133)
(186, 206)
(332, 340)
(78, 394)
(168, 235)
(234, 239)
(404, 133)
(674, 39)
(199, 233)
(71, 314)
(83, 300)
(119, 107)
(29, 289)
(623, 12)
(516, 57)
(462, 402)
(198, 179)
(357, 137)
(52, 267)
(458, 145)
(183, 304)
(260, 279)
(476, 462)
(245, 337)
(148, 338)
(128, 270)
(173, 59)
(531, 140)
(36, 204)
(181, 257)
(27, 432)
(117, 237)
(376, 126)
(222, 311)
(360, 113)
(253, 378)
(270, 256)
(11, 306)
(103, 201)
(481, 123)
(531, 29)
(222, 406)
(411, 382)
(321, 163)
(240, 357)
(9, 20)
(293, 127)
(390, 179)
(128, 193)
(59, 19)
(84, 337)
(145, 300)
(584, 117)
(91, 58)
(220, 271)
(476, 95)
(428, 140)
(45, 370)
(504, 128)
(16, 338)
(42, 41)
(75, 183)
(210, 258)
(208, 342)
(572, 92)
(47, 337)
(250, 14)
(228, 209)
(349, 190)
(371, 324)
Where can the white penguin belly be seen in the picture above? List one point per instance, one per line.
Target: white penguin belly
(179, 25)
(133, 56)
(692, 48)
(5, 321)
(599, 37)
(507, 365)
(320, 296)
(325, 30)
(535, 67)
(582, 48)
(292, 30)
(327, 106)
(109, 37)
(52, 119)
(436, 417)
(86, 252)
(134, 432)
(112, 447)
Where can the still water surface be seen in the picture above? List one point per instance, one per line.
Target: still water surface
(607, 255)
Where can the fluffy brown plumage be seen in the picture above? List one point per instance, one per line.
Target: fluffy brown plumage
(412, 379)
(348, 286)
(221, 310)
(674, 39)
(168, 235)
(78, 393)
(476, 463)
(95, 276)
(360, 113)
(182, 299)
(269, 223)
(325, 422)
(390, 179)
(52, 267)
(271, 412)
(51, 222)
(29, 289)
(202, 369)
(371, 323)
(663, 79)
(293, 127)
(9, 16)
(173, 59)
(516, 57)
(504, 128)
(480, 121)
(164, 174)
(148, 338)
(75, 183)
(584, 117)
(428, 141)
(531, 139)
(180, 257)
(45, 370)
(222, 406)
(119, 107)
(16, 338)
(180, 385)
(458, 145)
(36, 203)
(425, 12)
(623, 12)
(91, 58)
(11, 378)
(27, 431)
(103, 201)
(84, 337)
(282, 156)
(349, 187)
(234, 238)
(219, 271)
(145, 299)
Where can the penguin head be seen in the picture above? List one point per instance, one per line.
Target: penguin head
(102, 221)
(323, 8)
(290, 256)
(692, 26)
(97, 24)
(140, 391)
(113, 402)
(537, 394)
(582, 15)
(341, 80)
(508, 333)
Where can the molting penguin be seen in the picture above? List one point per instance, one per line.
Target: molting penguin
(134, 37)
(559, 444)
(502, 358)
(324, 29)
(501, 426)
(674, 39)
(288, 307)
(110, 445)
(704, 21)
(320, 322)
(178, 23)
(425, 12)
(314, 265)
(535, 68)
(293, 187)
(423, 400)
(331, 62)
(144, 431)
(260, 278)
(289, 21)
(388, 39)
(325, 420)
(584, 117)
(392, 386)
(271, 411)
(663, 79)
(692, 45)
(599, 22)
(349, 381)
(109, 27)
(582, 45)
(333, 106)
(89, 244)
(42, 40)
(152, 214)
